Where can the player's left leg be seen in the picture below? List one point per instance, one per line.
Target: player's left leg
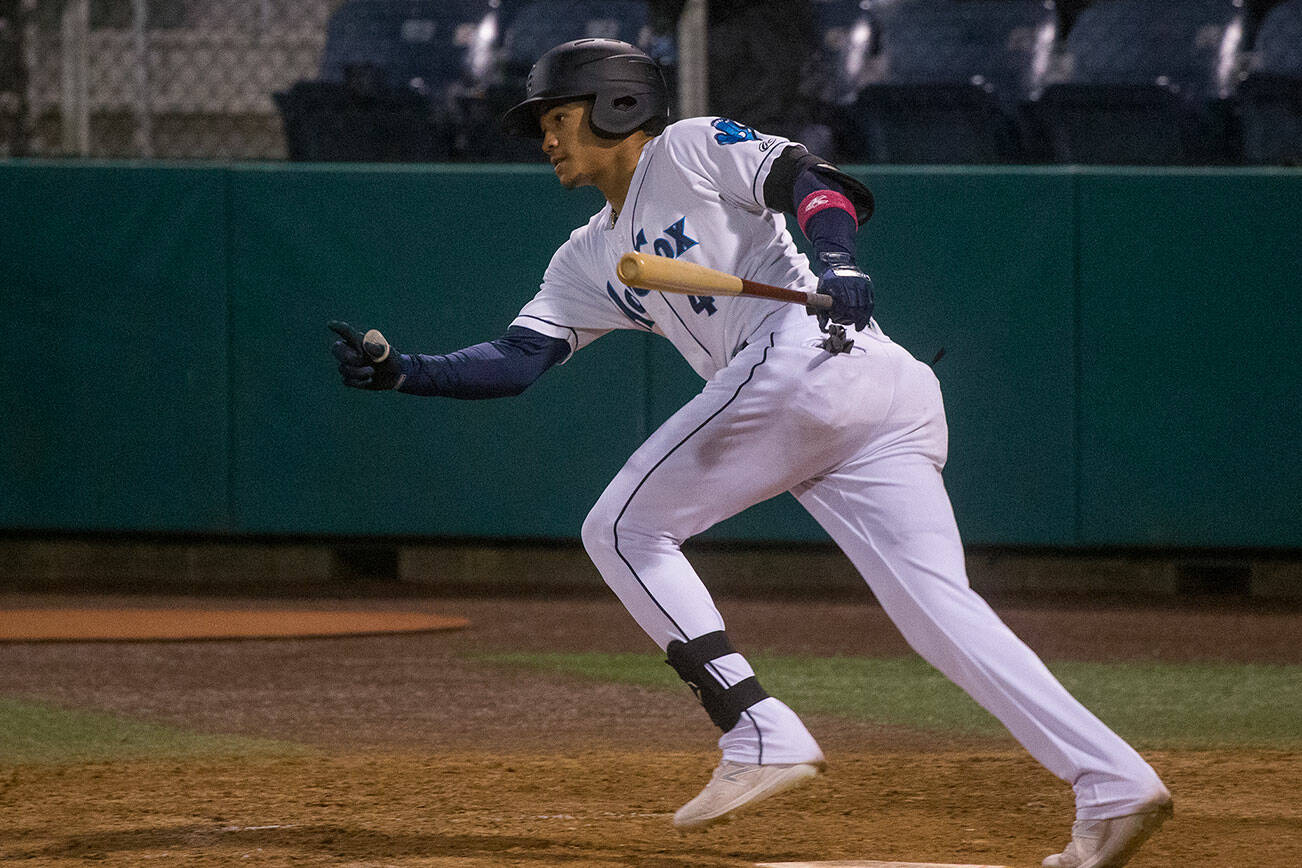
(713, 458)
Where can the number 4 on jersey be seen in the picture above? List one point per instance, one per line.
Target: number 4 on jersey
(672, 245)
(702, 304)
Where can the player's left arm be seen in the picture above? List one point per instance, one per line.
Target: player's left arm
(829, 207)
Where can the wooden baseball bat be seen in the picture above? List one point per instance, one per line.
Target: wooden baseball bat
(647, 271)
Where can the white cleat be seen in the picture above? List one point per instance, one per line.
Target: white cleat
(1109, 843)
(735, 787)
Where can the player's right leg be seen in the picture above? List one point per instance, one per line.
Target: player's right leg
(894, 522)
(888, 510)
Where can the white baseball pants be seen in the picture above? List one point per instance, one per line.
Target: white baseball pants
(860, 439)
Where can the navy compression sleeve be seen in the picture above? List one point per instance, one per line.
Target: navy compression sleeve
(496, 369)
(829, 221)
(830, 230)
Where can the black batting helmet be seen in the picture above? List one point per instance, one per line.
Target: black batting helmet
(627, 87)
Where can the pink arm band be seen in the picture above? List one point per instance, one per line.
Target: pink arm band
(821, 200)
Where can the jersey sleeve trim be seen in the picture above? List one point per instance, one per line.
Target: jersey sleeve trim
(551, 330)
(761, 173)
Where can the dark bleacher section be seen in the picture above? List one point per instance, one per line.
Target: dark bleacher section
(947, 81)
(1145, 82)
(427, 80)
(386, 74)
(1269, 98)
(541, 24)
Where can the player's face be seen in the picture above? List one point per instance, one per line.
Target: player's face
(578, 155)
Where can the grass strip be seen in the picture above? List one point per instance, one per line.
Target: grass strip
(38, 732)
(1153, 705)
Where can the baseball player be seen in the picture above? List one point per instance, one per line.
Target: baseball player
(828, 409)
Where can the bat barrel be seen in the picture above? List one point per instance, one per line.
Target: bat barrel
(645, 271)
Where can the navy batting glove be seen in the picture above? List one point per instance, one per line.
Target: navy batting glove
(851, 291)
(366, 361)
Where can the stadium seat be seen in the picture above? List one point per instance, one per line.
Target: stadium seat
(338, 122)
(948, 80)
(536, 26)
(1269, 98)
(1144, 83)
(846, 34)
(388, 73)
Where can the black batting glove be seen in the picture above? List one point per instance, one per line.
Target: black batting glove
(851, 291)
(366, 361)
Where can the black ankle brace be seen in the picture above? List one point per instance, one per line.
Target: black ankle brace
(723, 704)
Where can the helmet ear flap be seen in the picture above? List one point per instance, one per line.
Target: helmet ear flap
(613, 117)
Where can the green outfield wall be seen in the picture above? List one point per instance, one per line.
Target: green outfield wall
(1121, 362)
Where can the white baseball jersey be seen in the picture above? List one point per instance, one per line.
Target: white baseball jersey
(684, 200)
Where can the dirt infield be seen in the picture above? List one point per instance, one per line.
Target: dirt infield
(150, 625)
(604, 808)
(421, 756)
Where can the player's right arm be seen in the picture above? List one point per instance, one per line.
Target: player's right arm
(495, 369)
(567, 313)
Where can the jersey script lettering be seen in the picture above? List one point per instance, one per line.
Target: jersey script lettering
(672, 244)
(731, 132)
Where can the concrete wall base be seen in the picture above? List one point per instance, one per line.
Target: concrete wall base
(129, 564)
